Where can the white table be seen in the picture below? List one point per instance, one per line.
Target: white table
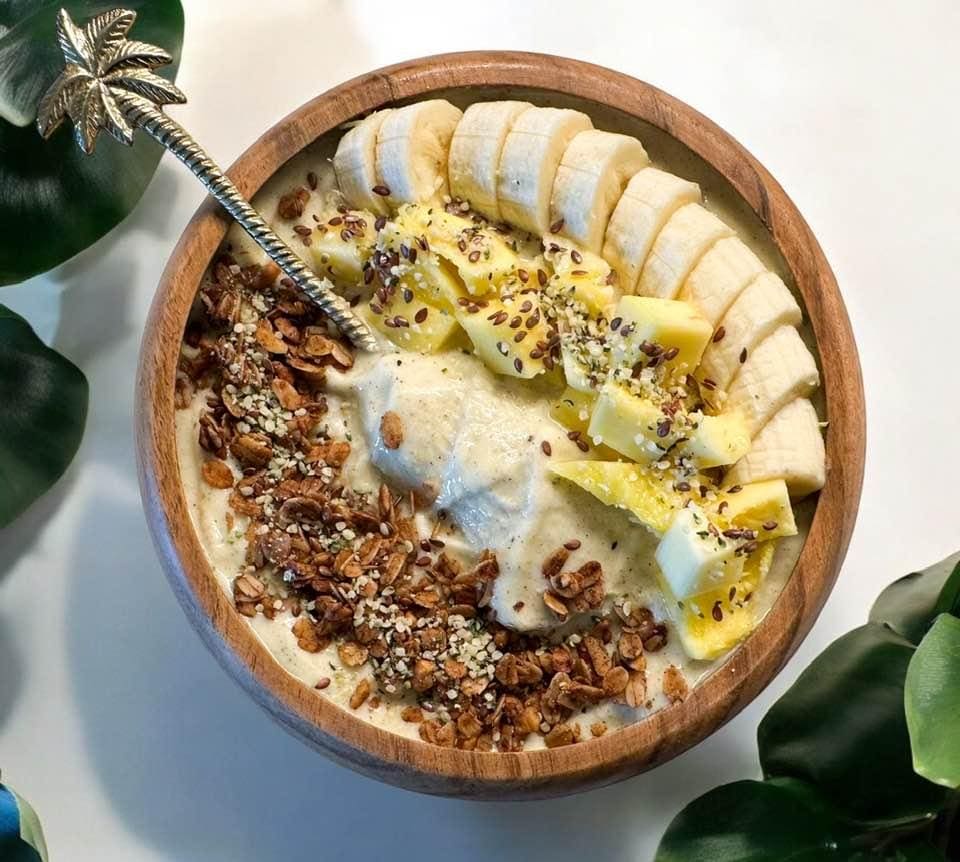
(115, 721)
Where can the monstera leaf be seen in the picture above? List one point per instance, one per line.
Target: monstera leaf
(43, 405)
(54, 199)
(21, 839)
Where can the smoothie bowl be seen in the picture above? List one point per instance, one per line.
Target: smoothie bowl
(593, 488)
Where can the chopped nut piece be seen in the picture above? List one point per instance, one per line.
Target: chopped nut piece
(306, 635)
(555, 603)
(268, 339)
(352, 654)
(555, 562)
(286, 394)
(635, 692)
(674, 684)
(562, 734)
(360, 694)
(598, 728)
(469, 725)
(615, 681)
(217, 473)
(598, 655)
(391, 430)
(252, 450)
(412, 714)
(248, 587)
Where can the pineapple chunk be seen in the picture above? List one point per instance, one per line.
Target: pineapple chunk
(693, 559)
(566, 257)
(702, 635)
(762, 503)
(430, 277)
(416, 326)
(572, 410)
(626, 486)
(719, 440)
(669, 323)
(338, 254)
(629, 424)
(598, 297)
(494, 327)
(481, 257)
(576, 373)
(585, 276)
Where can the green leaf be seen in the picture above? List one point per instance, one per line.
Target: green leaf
(21, 838)
(932, 699)
(910, 604)
(43, 406)
(756, 821)
(54, 200)
(842, 728)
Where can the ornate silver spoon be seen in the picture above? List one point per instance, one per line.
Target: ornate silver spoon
(108, 83)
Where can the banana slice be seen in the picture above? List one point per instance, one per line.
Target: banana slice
(779, 370)
(593, 171)
(723, 272)
(529, 161)
(651, 197)
(678, 248)
(475, 153)
(790, 448)
(412, 147)
(355, 164)
(761, 309)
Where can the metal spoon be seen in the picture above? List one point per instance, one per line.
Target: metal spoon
(108, 83)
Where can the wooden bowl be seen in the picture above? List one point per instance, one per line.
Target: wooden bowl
(663, 735)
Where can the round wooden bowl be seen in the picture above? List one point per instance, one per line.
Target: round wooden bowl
(663, 735)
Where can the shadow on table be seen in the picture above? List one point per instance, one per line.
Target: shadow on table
(11, 670)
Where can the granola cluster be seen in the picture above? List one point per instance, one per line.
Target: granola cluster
(354, 569)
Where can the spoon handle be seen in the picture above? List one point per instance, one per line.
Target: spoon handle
(108, 84)
(173, 137)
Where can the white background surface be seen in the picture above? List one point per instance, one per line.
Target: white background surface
(114, 720)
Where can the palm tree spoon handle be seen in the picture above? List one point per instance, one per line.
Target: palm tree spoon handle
(108, 83)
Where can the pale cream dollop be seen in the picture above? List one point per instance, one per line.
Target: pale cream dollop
(474, 442)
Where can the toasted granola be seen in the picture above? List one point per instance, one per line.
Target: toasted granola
(353, 569)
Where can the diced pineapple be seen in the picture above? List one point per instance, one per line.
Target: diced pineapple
(494, 328)
(572, 410)
(629, 424)
(429, 276)
(576, 373)
(585, 276)
(694, 559)
(416, 326)
(712, 624)
(760, 505)
(481, 257)
(626, 486)
(565, 257)
(598, 297)
(719, 440)
(337, 251)
(669, 323)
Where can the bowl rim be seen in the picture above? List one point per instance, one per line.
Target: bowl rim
(411, 763)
